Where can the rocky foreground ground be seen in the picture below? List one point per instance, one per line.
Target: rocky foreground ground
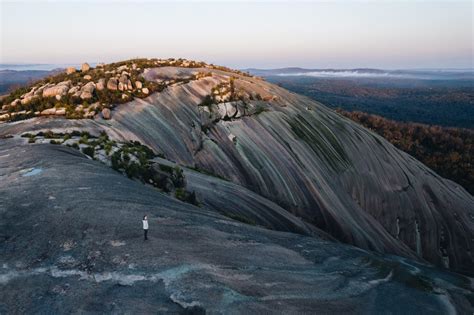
(259, 200)
(72, 243)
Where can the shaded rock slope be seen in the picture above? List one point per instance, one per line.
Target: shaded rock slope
(251, 152)
(72, 243)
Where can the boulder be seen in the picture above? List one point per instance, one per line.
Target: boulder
(123, 79)
(222, 111)
(94, 106)
(121, 68)
(87, 90)
(145, 91)
(129, 85)
(39, 91)
(58, 97)
(87, 77)
(138, 84)
(89, 114)
(60, 111)
(59, 89)
(73, 90)
(49, 111)
(231, 109)
(124, 96)
(106, 113)
(232, 137)
(121, 86)
(112, 84)
(240, 110)
(268, 98)
(100, 84)
(85, 67)
(31, 93)
(15, 102)
(27, 99)
(70, 70)
(100, 65)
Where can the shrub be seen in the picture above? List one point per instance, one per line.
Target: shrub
(116, 160)
(207, 101)
(108, 148)
(180, 194)
(260, 109)
(84, 139)
(166, 168)
(89, 151)
(133, 170)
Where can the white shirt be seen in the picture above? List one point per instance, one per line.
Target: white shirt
(145, 224)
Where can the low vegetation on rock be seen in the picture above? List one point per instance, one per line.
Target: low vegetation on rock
(132, 159)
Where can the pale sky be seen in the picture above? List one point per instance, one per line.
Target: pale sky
(311, 34)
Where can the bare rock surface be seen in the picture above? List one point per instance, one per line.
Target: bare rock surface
(315, 164)
(93, 258)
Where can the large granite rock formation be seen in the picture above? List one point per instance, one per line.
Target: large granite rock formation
(331, 172)
(271, 158)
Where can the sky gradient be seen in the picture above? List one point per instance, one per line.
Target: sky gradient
(337, 34)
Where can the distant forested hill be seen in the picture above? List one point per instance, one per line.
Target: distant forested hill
(12, 79)
(447, 103)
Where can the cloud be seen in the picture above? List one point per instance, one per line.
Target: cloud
(375, 73)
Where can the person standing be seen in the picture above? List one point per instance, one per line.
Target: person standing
(145, 227)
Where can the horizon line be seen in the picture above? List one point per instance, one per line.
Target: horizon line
(245, 68)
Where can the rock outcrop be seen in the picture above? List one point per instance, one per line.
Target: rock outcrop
(332, 173)
(70, 70)
(87, 90)
(85, 67)
(106, 113)
(59, 89)
(112, 84)
(100, 84)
